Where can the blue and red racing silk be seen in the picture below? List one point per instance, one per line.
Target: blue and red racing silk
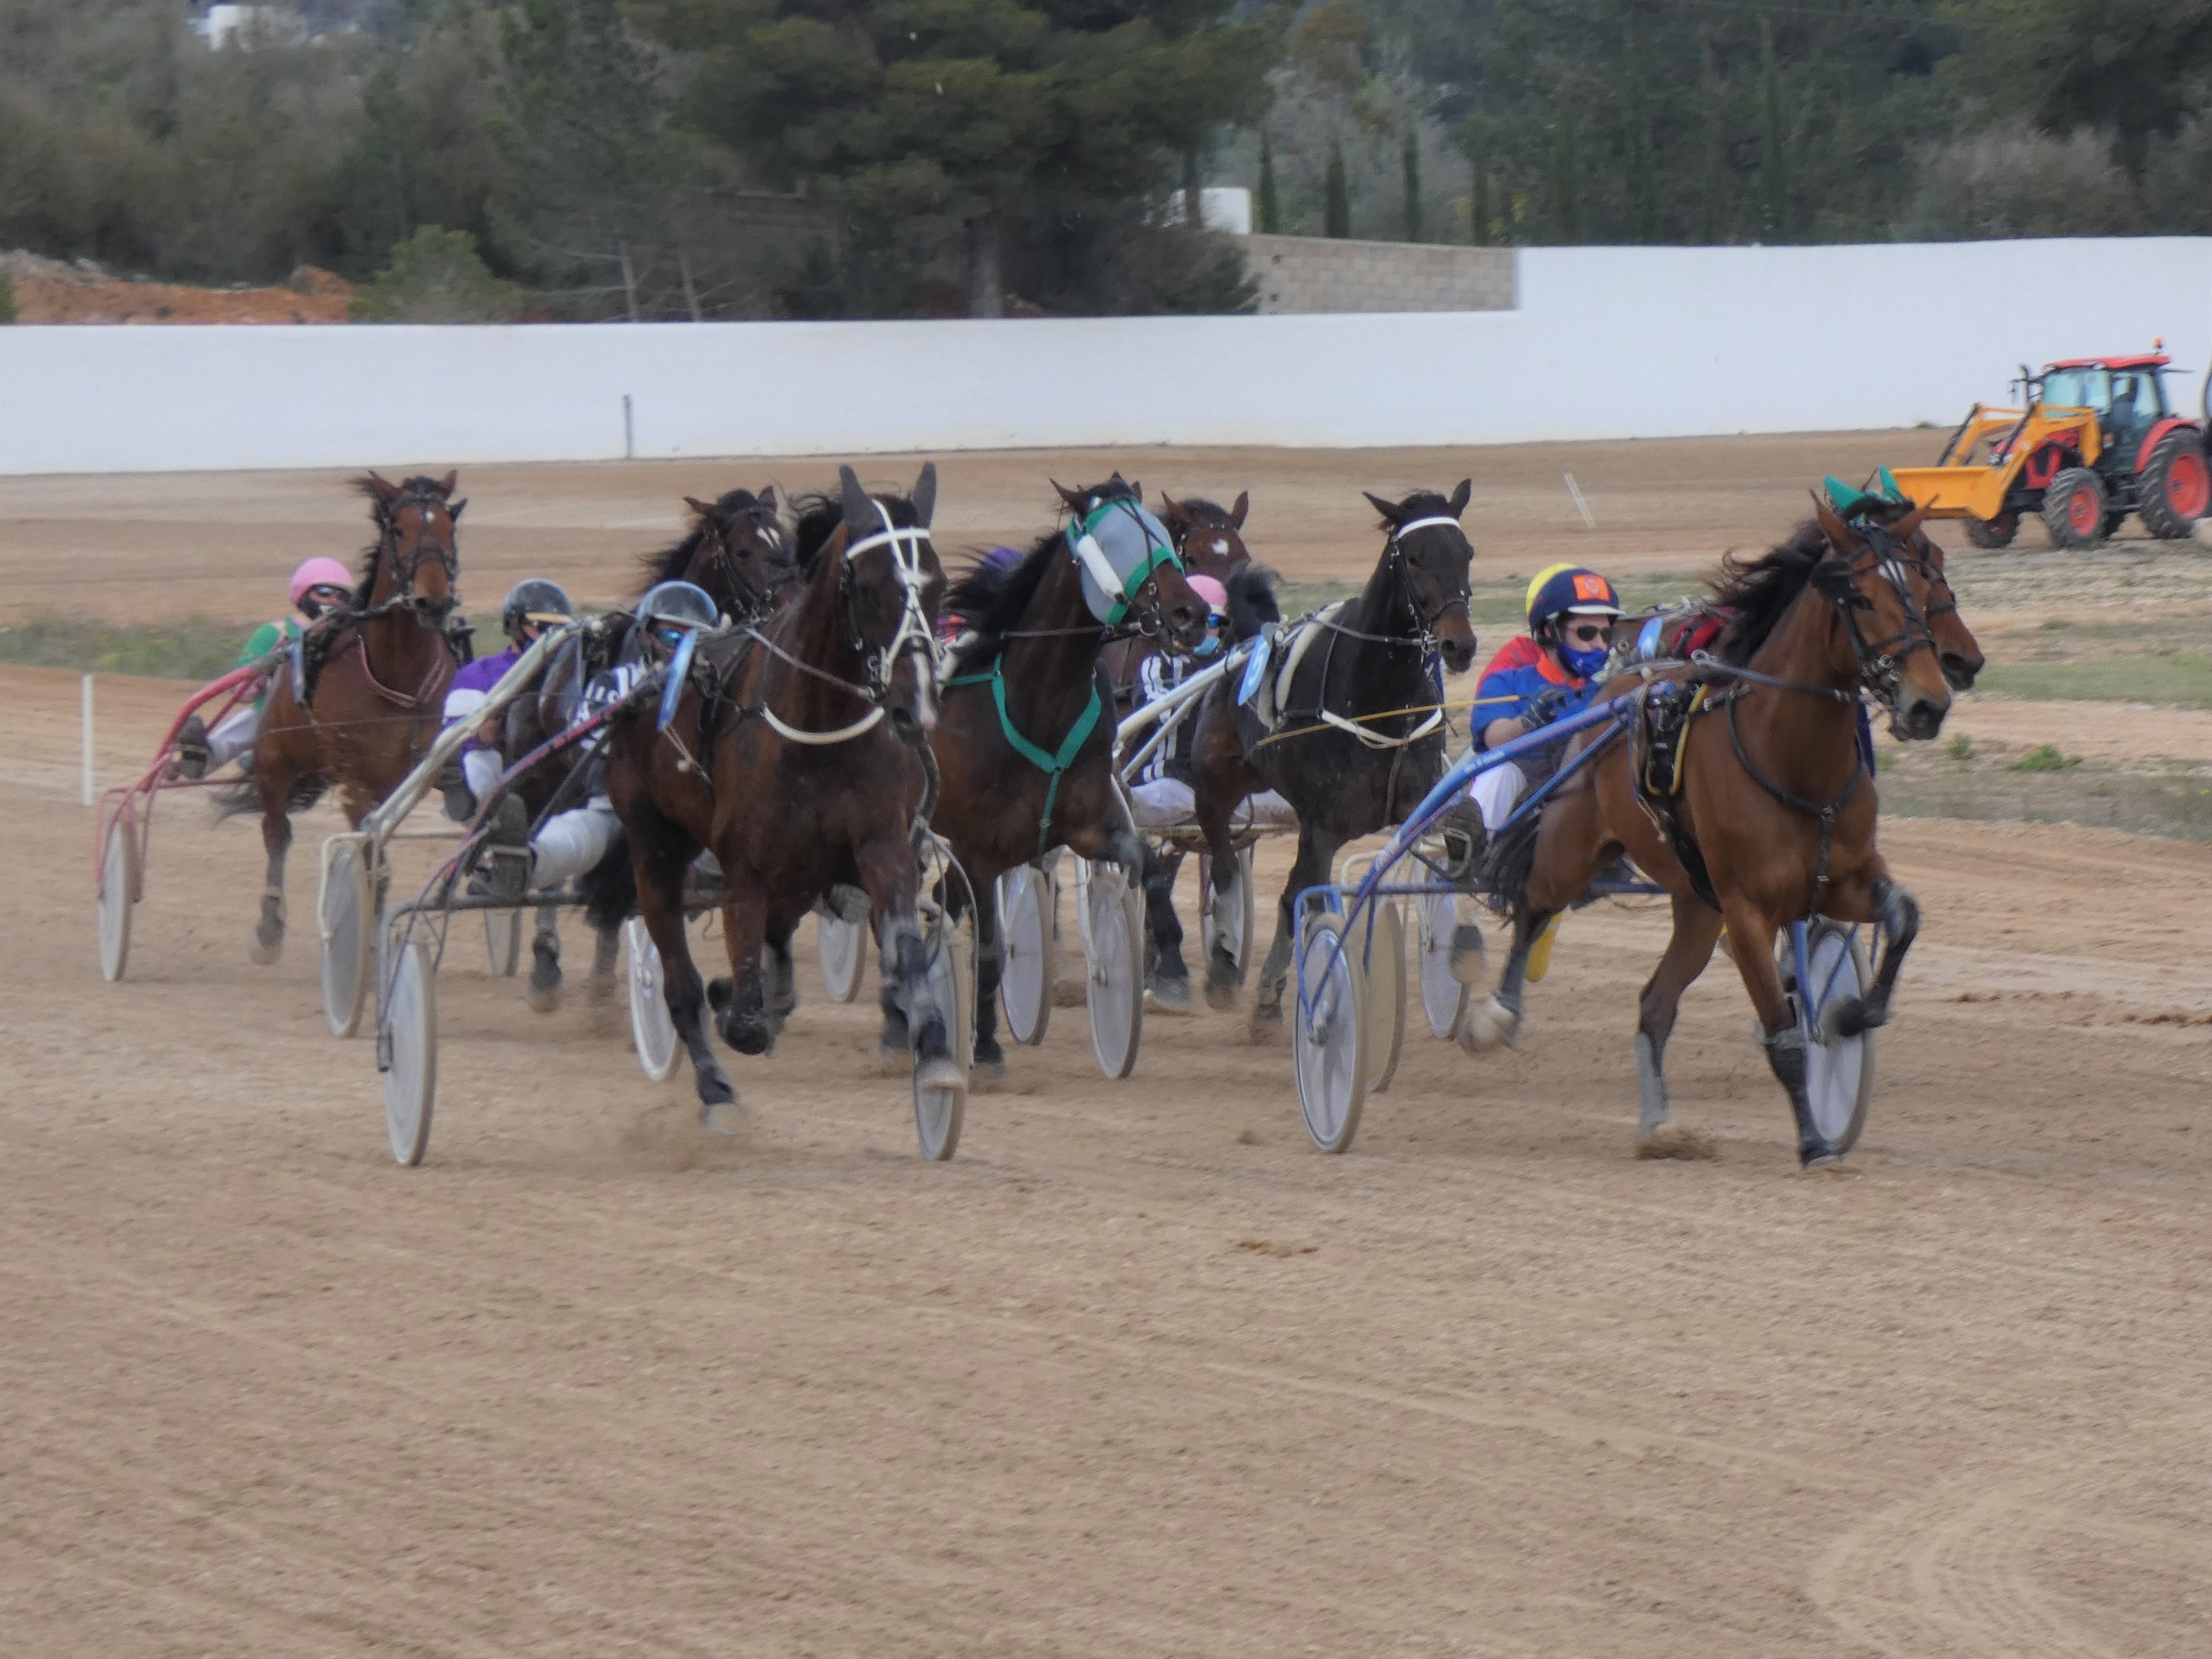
(1519, 674)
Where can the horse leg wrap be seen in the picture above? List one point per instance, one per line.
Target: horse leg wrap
(1650, 1087)
(926, 1021)
(1785, 1055)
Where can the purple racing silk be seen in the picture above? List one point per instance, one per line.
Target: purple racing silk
(469, 686)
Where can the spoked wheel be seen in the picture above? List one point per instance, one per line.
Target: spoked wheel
(410, 1057)
(119, 891)
(1386, 996)
(1116, 941)
(939, 1109)
(345, 913)
(1025, 980)
(1839, 1070)
(1327, 1032)
(652, 1032)
(503, 941)
(1444, 999)
(840, 947)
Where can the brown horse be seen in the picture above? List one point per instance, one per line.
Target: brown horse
(1775, 804)
(1028, 685)
(1358, 741)
(1209, 539)
(376, 700)
(797, 755)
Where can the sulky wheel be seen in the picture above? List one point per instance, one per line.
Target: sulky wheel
(2074, 508)
(652, 1032)
(410, 1041)
(345, 915)
(1386, 996)
(1116, 981)
(1839, 1070)
(939, 1109)
(841, 950)
(1025, 979)
(1326, 1032)
(118, 892)
(2175, 486)
(1444, 999)
(503, 941)
(1993, 532)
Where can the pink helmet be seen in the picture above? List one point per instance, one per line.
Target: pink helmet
(1211, 590)
(319, 573)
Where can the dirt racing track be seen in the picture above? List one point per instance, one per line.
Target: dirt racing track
(1139, 1373)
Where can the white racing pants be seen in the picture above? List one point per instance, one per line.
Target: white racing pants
(482, 768)
(1496, 792)
(1164, 803)
(233, 736)
(571, 843)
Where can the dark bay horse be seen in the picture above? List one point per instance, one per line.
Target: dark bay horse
(376, 675)
(1357, 742)
(798, 756)
(1776, 798)
(1025, 746)
(738, 550)
(1209, 539)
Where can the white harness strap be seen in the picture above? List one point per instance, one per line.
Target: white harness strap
(914, 627)
(784, 728)
(1430, 523)
(1379, 740)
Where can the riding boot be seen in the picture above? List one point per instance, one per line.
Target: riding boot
(1465, 839)
(193, 753)
(460, 800)
(504, 859)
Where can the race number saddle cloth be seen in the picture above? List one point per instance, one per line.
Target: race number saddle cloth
(1276, 656)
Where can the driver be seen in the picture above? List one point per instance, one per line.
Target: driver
(319, 587)
(572, 843)
(532, 606)
(1541, 675)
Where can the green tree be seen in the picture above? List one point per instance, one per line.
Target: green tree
(1335, 196)
(1478, 193)
(436, 275)
(1412, 164)
(1271, 212)
(1566, 176)
(7, 297)
(1774, 142)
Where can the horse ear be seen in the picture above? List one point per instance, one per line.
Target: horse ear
(1173, 512)
(1391, 512)
(1460, 496)
(699, 506)
(445, 485)
(859, 511)
(924, 496)
(1236, 513)
(1075, 499)
(454, 512)
(386, 491)
(766, 498)
(1908, 526)
(1832, 526)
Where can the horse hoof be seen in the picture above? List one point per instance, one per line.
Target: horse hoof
(601, 991)
(1219, 996)
(542, 998)
(942, 1072)
(264, 952)
(1171, 993)
(719, 1117)
(1490, 1024)
(1467, 954)
(1673, 1140)
(987, 1075)
(1846, 1017)
(1825, 1162)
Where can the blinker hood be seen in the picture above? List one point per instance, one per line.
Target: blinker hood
(1119, 545)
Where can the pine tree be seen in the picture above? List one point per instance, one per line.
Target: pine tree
(1335, 195)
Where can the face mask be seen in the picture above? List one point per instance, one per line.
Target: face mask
(1208, 645)
(1583, 663)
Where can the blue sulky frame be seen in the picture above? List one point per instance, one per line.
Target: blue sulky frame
(1359, 906)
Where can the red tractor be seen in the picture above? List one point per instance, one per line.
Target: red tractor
(2095, 442)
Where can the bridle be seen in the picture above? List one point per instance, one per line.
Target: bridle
(749, 600)
(1133, 601)
(405, 563)
(1233, 549)
(1881, 662)
(1425, 640)
(914, 635)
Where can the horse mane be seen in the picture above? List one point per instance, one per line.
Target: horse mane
(1201, 509)
(991, 600)
(819, 513)
(669, 563)
(1421, 504)
(1760, 591)
(421, 483)
(1252, 602)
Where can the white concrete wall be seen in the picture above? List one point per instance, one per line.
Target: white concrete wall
(1607, 343)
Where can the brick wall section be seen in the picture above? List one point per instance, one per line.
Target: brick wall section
(1315, 273)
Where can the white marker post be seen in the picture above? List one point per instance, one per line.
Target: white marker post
(84, 739)
(1574, 490)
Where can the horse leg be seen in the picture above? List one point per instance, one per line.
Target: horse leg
(1317, 850)
(1778, 1033)
(607, 949)
(741, 1010)
(1495, 1023)
(1697, 928)
(894, 1040)
(990, 1059)
(783, 978)
(887, 872)
(661, 904)
(1169, 979)
(544, 992)
(1898, 913)
(276, 840)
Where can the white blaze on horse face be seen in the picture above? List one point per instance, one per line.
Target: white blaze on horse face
(1221, 543)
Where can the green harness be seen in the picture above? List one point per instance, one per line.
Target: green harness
(1053, 764)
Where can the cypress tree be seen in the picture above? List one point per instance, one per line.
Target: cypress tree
(1193, 202)
(1773, 143)
(1714, 191)
(1643, 184)
(1335, 195)
(1478, 199)
(1566, 176)
(1412, 186)
(1271, 220)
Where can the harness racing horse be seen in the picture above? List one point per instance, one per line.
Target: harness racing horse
(1209, 540)
(1775, 817)
(1358, 738)
(797, 754)
(738, 551)
(372, 677)
(1025, 746)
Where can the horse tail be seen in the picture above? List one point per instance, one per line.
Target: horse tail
(1252, 603)
(243, 796)
(609, 888)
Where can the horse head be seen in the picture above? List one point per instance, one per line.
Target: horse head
(739, 551)
(1208, 538)
(1131, 557)
(416, 563)
(891, 585)
(1882, 591)
(1433, 555)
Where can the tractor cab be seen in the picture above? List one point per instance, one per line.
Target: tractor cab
(2127, 393)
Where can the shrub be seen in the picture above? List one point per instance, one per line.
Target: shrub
(2045, 758)
(436, 275)
(7, 298)
(2012, 180)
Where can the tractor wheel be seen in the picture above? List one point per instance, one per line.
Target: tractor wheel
(2175, 487)
(1993, 532)
(2074, 508)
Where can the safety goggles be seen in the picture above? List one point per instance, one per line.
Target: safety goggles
(1589, 633)
(671, 636)
(1216, 620)
(329, 593)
